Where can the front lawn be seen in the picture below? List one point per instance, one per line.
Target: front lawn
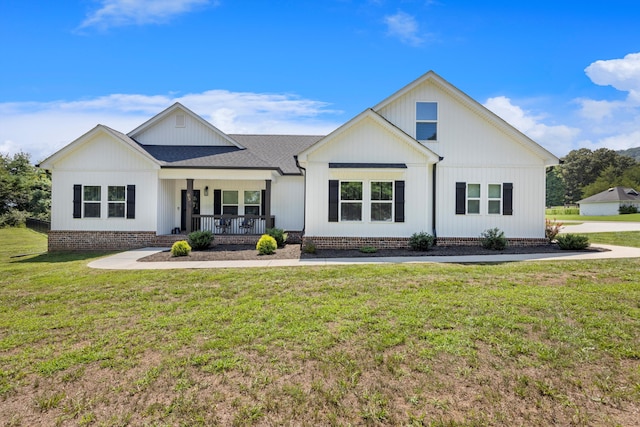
(616, 218)
(536, 344)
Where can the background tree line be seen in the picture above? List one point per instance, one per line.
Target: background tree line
(25, 190)
(584, 173)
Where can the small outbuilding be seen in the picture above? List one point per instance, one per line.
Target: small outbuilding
(609, 201)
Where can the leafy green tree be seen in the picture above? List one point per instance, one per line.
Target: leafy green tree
(555, 187)
(24, 190)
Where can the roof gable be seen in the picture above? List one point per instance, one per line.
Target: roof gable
(100, 130)
(368, 118)
(177, 125)
(431, 78)
(615, 194)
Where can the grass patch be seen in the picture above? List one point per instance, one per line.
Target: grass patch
(621, 238)
(615, 218)
(526, 343)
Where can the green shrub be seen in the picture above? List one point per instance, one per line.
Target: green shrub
(368, 250)
(13, 218)
(200, 240)
(572, 242)
(421, 241)
(627, 209)
(266, 245)
(309, 248)
(279, 235)
(494, 239)
(180, 248)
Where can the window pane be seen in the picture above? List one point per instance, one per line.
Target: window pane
(230, 197)
(351, 211)
(92, 210)
(116, 210)
(426, 131)
(351, 190)
(494, 191)
(251, 197)
(116, 194)
(473, 206)
(230, 210)
(473, 190)
(494, 207)
(381, 191)
(426, 111)
(91, 193)
(252, 210)
(381, 212)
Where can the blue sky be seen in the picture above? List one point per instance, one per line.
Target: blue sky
(566, 73)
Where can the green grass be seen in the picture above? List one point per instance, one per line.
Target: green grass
(616, 218)
(626, 238)
(433, 344)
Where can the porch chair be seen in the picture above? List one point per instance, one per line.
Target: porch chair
(222, 225)
(247, 225)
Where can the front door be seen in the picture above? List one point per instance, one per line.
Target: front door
(196, 207)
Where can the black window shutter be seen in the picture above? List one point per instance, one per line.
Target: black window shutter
(131, 201)
(217, 202)
(333, 200)
(507, 198)
(399, 201)
(263, 195)
(461, 195)
(77, 201)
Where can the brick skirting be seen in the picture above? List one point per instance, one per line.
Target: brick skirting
(403, 242)
(120, 240)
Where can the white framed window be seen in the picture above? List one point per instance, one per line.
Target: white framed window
(382, 201)
(473, 198)
(252, 202)
(427, 121)
(92, 201)
(230, 202)
(351, 201)
(116, 199)
(494, 199)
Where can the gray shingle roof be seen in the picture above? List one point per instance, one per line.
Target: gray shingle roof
(261, 152)
(615, 194)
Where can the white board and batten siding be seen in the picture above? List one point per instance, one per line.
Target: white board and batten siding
(367, 142)
(180, 128)
(103, 161)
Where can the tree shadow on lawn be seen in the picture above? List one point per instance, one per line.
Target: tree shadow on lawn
(58, 257)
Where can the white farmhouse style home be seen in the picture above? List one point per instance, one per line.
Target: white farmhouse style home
(428, 158)
(610, 201)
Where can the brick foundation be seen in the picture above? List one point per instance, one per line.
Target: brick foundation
(121, 240)
(403, 242)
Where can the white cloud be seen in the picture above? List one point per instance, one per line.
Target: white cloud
(43, 128)
(405, 27)
(622, 74)
(559, 139)
(117, 13)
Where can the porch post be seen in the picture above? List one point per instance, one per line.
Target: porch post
(267, 203)
(189, 205)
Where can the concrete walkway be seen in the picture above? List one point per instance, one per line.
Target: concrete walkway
(598, 227)
(129, 260)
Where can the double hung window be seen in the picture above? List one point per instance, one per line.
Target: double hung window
(381, 201)
(427, 121)
(92, 197)
(351, 201)
(473, 198)
(116, 201)
(252, 203)
(495, 199)
(229, 202)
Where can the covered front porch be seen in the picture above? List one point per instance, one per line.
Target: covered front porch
(223, 202)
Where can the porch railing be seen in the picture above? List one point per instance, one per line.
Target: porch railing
(232, 224)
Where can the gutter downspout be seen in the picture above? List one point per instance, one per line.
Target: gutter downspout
(433, 201)
(304, 196)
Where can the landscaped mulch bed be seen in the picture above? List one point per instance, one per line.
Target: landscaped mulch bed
(292, 251)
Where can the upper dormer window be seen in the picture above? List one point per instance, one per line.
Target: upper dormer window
(427, 121)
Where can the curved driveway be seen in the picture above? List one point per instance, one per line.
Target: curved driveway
(599, 226)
